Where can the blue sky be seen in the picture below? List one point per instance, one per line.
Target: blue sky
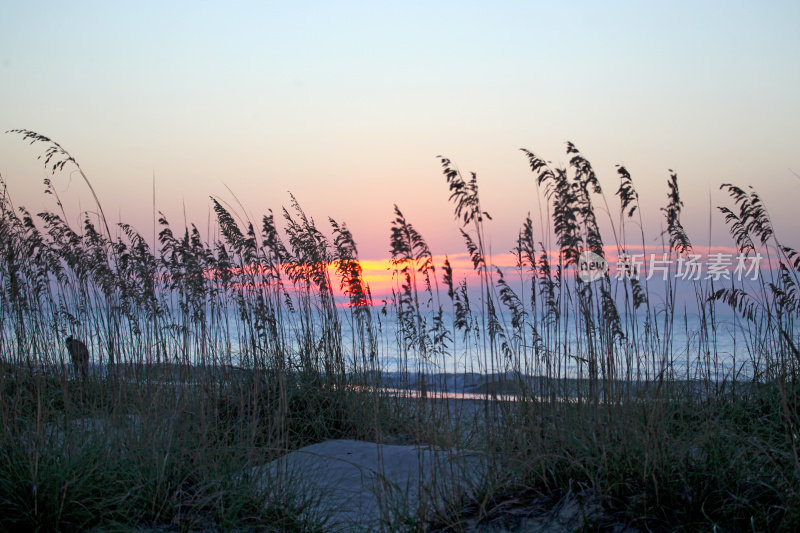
(347, 104)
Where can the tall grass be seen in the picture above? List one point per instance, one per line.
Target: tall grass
(216, 354)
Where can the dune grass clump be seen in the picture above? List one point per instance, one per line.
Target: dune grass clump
(213, 355)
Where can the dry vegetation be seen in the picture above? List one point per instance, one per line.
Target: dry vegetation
(209, 357)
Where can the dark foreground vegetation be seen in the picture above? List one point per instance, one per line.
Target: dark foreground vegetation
(213, 356)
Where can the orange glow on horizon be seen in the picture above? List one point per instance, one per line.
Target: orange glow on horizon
(378, 275)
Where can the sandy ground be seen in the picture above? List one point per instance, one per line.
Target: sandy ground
(363, 486)
(358, 486)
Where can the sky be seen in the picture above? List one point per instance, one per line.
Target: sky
(346, 105)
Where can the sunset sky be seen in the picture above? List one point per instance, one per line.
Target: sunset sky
(348, 104)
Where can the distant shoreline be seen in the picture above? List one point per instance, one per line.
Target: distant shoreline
(506, 386)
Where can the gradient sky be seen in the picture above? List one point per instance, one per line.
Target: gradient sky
(347, 104)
